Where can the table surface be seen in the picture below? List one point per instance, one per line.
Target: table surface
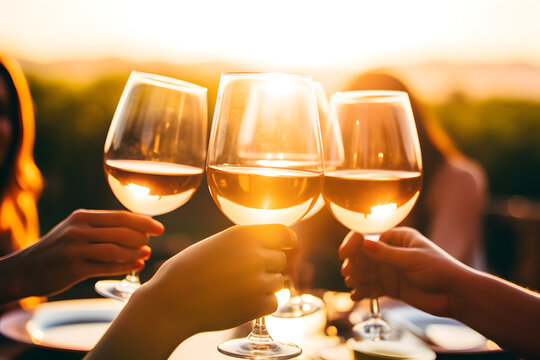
(203, 346)
(10, 349)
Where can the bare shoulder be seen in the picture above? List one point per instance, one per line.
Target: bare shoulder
(468, 171)
(464, 176)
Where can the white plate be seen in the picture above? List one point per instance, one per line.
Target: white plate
(15, 325)
(75, 325)
(107, 289)
(406, 348)
(445, 335)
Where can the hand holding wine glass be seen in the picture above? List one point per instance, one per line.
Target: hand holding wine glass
(373, 172)
(155, 151)
(264, 166)
(215, 284)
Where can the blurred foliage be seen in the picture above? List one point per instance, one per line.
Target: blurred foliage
(72, 122)
(501, 134)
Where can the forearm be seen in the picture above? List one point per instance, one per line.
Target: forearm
(501, 311)
(142, 330)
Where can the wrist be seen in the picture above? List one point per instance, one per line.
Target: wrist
(462, 288)
(151, 306)
(15, 284)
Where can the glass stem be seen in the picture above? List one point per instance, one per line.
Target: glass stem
(259, 335)
(133, 277)
(374, 308)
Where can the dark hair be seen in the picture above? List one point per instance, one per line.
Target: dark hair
(7, 167)
(20, 179)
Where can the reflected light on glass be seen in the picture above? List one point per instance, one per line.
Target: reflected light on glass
(279, 85)
(383, 211)
(140, 191)
(491, 345)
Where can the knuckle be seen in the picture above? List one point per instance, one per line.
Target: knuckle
(78, 215)
(269, 304)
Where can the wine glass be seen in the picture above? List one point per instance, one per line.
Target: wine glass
(265, 166)
(373, 173)
(154, 152)
(292, 302)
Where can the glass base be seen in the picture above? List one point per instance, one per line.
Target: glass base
(247, 349)
(117, 289)
(374, 329)
(298, 306)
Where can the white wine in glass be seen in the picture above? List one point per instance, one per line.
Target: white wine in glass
(373, 173)
(154, 153)
(264, 166)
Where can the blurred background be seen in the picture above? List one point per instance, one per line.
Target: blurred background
(475, 65)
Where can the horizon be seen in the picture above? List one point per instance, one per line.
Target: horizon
(432, 81)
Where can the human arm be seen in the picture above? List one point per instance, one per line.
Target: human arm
(87, 243)
(407, 266)
(215, 284)
(456, 203)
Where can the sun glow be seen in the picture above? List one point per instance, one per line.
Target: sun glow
(309, 32)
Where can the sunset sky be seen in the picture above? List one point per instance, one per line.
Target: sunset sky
(281, 32)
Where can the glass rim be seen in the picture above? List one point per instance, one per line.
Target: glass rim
(169, 81)
(371, 95)
(264, 74)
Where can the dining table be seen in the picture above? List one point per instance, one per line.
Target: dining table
(326, 335)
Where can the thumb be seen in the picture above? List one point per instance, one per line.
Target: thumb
(400, 257)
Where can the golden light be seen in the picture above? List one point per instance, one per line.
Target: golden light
(306, 331)
(253, 216)
(280, 163)
(383, 211)
(309, 33)
(140, 191)
(338, 301)
(283, 296)
(491, 345)
(381, 217)
(279, 85)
